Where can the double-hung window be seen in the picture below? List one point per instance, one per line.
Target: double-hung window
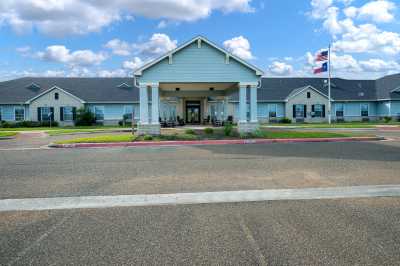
(99, 113)
(272, 110)
(19, 113)
(364, 109)
(299, 111)
(67, 113)
(318, 110)
(128, 112)
(339, 107)
(45, 113)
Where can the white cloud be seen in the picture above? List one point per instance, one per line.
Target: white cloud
(240, 47)
(162, 24)
(119, 47)
(134, 64)
(157, 45)
(379, 65)
(368, 38)
(111, 73)
(60, 17)
(280, 68)
(377, 11)
(60, 54)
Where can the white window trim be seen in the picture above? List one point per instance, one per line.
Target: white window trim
(367, 104)
(41, 112)
(344, 108)
(275, 108)
(72, 110)
(23, 108)
(102, 108)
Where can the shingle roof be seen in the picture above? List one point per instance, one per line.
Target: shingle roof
(87, 89)
(278, 89)
(386, 85)
(272, 89)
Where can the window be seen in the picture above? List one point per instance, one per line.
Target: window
(99, 113)
(272, 110)
(128, 112)
(67, 113)
(364, 109)
(299, 111)
(19, 113)
(308, 95)
(45, 113)
(318, 110)
(339, 109)
(56, 96)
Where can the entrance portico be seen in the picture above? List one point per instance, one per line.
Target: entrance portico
(196, 82)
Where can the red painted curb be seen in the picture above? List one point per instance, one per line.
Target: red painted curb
(208, 142)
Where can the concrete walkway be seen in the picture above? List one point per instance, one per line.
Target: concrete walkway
(94, 202)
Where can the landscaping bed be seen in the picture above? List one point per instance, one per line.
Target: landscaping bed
(207, 134)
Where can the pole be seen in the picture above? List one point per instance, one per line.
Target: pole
(329, 86)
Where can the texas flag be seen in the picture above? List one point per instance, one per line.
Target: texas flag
(323, 68)
(322, 56)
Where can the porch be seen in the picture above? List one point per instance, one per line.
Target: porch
(167, 104)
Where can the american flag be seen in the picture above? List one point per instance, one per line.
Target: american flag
(322, 56)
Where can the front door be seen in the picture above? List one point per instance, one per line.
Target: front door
(193, 112)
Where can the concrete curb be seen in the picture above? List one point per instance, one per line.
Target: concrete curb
(209, 142)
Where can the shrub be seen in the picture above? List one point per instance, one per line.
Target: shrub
(84, 117)
(147, 137)
(228, 128)
(387, 119)
(190, 132)
(208, 131)
(286, 120)
(5, 124)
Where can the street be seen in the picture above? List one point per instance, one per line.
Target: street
(364, 231)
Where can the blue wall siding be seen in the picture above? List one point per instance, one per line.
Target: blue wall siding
(383, 108)
(193, 64)
(354, 108)
(7, 112)
(262, 109)
(116, 111)
(395, 108)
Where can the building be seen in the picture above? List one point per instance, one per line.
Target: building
(198, 82)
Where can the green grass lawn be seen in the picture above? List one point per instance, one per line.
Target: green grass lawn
(338, 125)
(7, 134)
(64, 130)
(274, 134)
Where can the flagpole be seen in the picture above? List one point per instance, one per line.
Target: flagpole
(329, 86)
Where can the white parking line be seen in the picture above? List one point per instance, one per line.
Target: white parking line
(36, 204)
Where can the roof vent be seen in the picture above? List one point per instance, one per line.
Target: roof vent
(361, 94)
(33, 86)
(124, 85)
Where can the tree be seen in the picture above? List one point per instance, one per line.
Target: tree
(84, 117)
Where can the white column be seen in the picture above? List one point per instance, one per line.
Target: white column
(155, 102)
(242, 103)
(253, 104)
(144, 104)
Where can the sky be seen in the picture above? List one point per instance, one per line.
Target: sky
(102, 38)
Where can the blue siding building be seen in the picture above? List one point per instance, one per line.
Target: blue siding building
(198, 83)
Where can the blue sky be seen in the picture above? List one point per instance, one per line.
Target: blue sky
(112, 38)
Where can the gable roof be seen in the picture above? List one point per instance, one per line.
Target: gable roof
(388, 87)
(86, 89)
(139, 71)
(296, 92)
